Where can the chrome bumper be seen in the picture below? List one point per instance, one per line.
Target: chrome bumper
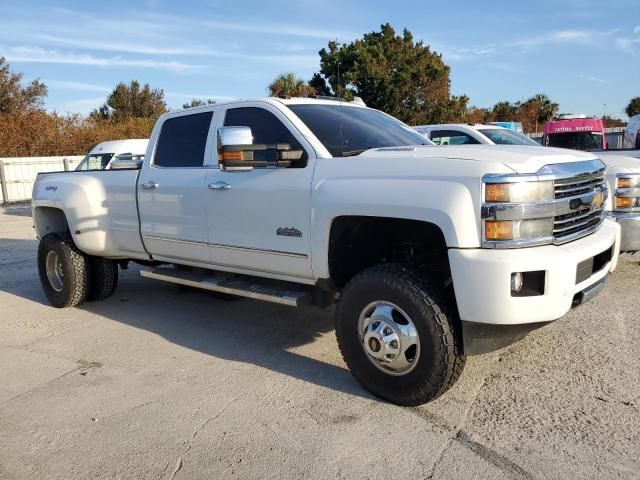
(630, 225)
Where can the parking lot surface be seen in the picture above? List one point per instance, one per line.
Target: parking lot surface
(164, 382)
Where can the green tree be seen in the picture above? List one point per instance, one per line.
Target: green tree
(389, 72)
(131, 101)
(16, 97)
(288, 85)
(198, 102)
(545, 107)
(318, 83)
(634, 107)
(505, 111)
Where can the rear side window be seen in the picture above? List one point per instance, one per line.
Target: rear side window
(266, 128)
(452, 137)
(182, 141)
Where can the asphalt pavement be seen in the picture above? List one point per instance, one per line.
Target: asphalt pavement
(165, 382)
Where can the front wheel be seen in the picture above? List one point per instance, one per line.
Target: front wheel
(397, 335)
(63, 269)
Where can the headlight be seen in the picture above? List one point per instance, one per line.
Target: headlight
(516, 197)
(627, 197)
(518, 192)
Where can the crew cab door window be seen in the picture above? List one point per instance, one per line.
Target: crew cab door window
(172, 193)
(267, 129)
(452, 137)
(183, 140)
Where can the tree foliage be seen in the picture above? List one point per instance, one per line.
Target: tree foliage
(131, 101)
(634, 107)
(16, 97)
(390, 72)
(287, 85)
(505, 111)
(198, 102)
(609, 121)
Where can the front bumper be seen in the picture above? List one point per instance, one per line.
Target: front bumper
(482, 278)
(630, 224)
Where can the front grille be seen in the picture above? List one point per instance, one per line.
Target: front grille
(570, 187)
(583, 218)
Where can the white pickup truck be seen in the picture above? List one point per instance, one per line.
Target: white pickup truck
(431, 253)
(623, 170)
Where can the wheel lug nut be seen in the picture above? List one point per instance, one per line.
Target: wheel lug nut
(393, 344)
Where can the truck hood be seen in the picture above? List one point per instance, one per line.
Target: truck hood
(519, 158)
(619, 163)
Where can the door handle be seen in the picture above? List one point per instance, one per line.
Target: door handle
(150, 185)
(219, 186)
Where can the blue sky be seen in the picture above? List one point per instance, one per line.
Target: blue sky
(584, 54)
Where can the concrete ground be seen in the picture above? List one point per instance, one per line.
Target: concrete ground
(163, 382)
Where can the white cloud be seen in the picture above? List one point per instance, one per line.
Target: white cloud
(115, 46)
(278, 29)
(41, 55)
(78, 86)
(594, 79)
(83, 106)
(573, 37)
(636, 30)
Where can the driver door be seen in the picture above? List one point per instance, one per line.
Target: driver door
(260, 219)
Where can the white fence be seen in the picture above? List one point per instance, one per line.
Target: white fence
(18, 174)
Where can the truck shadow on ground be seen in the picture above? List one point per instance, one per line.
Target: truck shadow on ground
(236, 329)
(241, 330)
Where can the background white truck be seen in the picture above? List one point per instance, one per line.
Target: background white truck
(103, 155)
(623, 171)
(432, 253)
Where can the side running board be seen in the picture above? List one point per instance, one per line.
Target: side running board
(275, 291)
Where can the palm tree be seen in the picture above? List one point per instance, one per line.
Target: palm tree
(288, 85)
(546, 108)
(543, 106)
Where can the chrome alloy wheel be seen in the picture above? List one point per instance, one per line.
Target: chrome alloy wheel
(389, 338)
(55, 272)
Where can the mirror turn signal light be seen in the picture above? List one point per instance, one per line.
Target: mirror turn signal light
(233, 156)
(498, 230)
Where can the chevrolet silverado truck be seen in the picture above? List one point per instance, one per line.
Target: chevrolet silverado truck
(622, 174)
(430, 253)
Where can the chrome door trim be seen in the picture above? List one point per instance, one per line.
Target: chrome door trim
(230, 247)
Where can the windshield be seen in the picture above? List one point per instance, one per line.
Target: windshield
(97, 161)
(502, 136)
(575, 140)
(362, 128)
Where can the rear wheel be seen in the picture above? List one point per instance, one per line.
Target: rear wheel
(104, 278)
(63, 269)
(397, 335)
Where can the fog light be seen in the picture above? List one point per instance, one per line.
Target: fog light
(516, 282)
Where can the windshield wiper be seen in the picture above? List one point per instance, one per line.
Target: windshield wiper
(353, 153)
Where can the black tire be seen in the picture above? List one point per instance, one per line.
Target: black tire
(103, 278)
(74, 266)
(440, 361)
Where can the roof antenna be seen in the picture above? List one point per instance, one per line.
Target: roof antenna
(340, 113)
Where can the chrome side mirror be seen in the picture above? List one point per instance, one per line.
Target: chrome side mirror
(233, 136)
(126, 161)
(232, 143)
(236, 151)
